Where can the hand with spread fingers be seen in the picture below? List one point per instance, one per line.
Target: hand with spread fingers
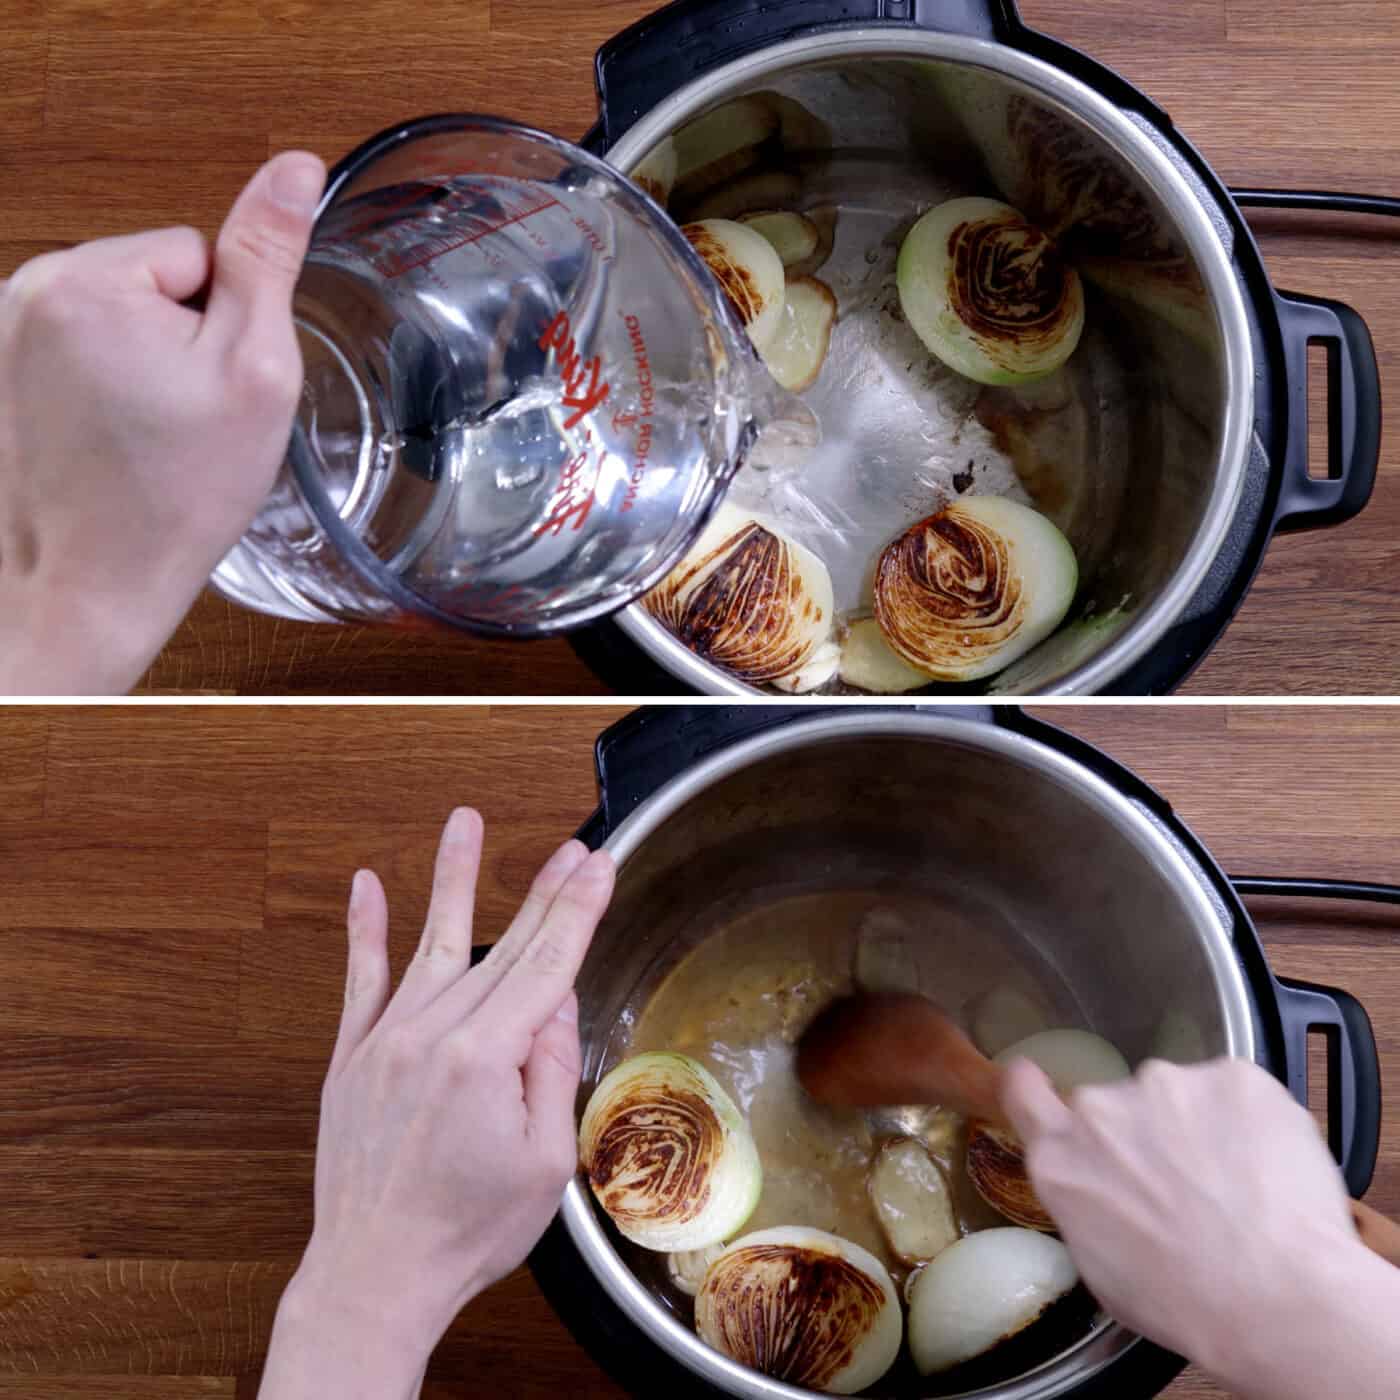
(1204, 1211)
(139, 436)
(447, 1123)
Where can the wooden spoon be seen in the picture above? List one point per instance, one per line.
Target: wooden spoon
(881, 1048)
(896, 1048)
(1378, 1233)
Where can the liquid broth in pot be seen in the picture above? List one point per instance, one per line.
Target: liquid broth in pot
(740, 999)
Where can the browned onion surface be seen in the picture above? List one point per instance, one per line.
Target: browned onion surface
(996, 1166)
(1009, 285)
(743, 616)
(737, 281)
(656, 1150)
(947, 594)
(795, 1314)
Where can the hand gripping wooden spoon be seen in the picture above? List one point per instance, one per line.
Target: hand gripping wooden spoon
(880, 1048)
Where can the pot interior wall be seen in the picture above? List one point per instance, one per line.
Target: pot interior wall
(1017, 854)
(1121, 448)
(1062, 885)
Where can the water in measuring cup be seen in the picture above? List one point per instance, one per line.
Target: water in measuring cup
(510, 390)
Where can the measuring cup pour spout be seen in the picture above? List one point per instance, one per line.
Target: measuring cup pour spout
(524, 393)
(785, 430)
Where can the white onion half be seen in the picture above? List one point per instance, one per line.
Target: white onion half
(803, 1306)
(1005, 1015)
(749, 271)
(988, 293)
(981, 1291)
(747, 599)
(963, 594)
(1071, 1058)
(668, 1154)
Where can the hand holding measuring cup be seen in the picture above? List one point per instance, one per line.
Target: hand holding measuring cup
(138, 437)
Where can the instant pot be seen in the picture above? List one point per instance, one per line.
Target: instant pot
(1102, 881)
(1221, 462)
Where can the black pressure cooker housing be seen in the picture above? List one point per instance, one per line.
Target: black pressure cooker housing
(643, 752)
(646, 63)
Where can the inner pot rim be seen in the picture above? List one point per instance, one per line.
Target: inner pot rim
(1191, 218)
(581, 1217)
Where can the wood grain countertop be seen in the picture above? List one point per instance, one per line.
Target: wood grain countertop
(115, 117)
(171, 953)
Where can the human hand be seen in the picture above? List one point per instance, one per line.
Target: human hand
(137, 436)
(1199, 1203)
(447, 1120)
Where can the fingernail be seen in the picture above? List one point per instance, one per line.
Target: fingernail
(296, 183)
(568, 1012)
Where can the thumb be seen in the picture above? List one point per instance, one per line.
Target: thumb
(551, 1079)
(1031, 1104)
(262, 245)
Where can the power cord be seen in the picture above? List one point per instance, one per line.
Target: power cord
(1332, 200)
(1318, 889)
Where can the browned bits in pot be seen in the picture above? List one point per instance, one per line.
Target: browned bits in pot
(795, 1314)
(737, 281)
(1008, 283)
(657, 1152)
(946, 592)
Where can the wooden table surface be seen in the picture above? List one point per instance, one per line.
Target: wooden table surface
(171, 946)
(118, 116)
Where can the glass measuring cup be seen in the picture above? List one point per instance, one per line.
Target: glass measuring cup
(524, 392)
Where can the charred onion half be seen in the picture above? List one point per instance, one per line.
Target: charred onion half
(996, 1162)
(963, 594)
(748, 269)
(803, 1306)
(668, 1155)
(988, 293)
(749, 600)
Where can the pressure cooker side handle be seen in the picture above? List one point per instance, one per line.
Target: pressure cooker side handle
(645, 750)
(666, 50)
(1353, 1072)
(1353, 413)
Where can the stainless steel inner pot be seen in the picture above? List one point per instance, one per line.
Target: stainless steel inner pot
(1088, 883)
(1142, 467)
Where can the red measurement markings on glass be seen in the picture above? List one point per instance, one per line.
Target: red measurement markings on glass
(379, 206)
(467, 229)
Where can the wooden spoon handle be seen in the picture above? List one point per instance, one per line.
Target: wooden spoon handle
(972, 1087)
(1378, 1234)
